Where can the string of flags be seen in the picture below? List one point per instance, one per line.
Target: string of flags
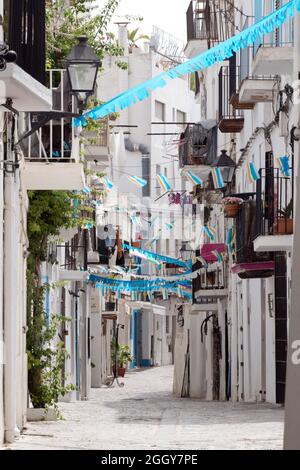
(210, 57)
(138, 181)
(252, 173)
(217, 178)
(284, 165)
(150, 256)
(108, 184)
(210, 232)
(194, 179)
(163, 182)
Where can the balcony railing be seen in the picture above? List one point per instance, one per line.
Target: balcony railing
(201, 21)
(246, 230)
(280, 37)
(53, 141)
(100, 138)
(275, 194)
(196, 146)
(210, 20)
(230, 118)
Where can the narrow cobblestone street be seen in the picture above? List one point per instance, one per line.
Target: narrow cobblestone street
(145, 415)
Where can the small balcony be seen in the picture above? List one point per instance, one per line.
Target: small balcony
(202, 28)
(257, 90)
(197, 148)
(210, 284)
(273, 55)
(250, 264)
(231, 117)
(275, 195)
(52, 153)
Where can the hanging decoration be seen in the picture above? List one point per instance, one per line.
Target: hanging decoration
(212, 56)
(217, 178)
(138, 181)
(108, 184)
(164, 183)
(170, 226)
(230, 236)
(86, 190)
(194, 179)
(155, 257)
(218, 255)
(136, 220)
(210, 232)
(252, 173)
(284, 165)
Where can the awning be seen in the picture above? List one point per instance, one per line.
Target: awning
(207, 251)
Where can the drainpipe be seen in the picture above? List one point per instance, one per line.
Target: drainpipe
(10, 298)
(292, 411)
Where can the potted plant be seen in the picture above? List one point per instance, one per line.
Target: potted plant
(231, 206)
(122, 356)
(284, 223)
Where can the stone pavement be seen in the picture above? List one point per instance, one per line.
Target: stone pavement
(145, 415)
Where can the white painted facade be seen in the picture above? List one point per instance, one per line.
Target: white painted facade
(130, 147)
(252, 305)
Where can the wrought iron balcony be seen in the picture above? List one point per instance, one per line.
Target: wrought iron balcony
(274, 199)
(210, 283)
(231, 118)
(250, 264)
(197, 146)
(273, 53)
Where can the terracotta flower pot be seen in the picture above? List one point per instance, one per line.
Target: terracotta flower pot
(121, 371)
(284, 226)
(231, 210)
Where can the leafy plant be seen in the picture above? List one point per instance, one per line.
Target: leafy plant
(232, 200)
(46, 353)
(134, 37)
(123, 354)
(287, 212)
(64, 23)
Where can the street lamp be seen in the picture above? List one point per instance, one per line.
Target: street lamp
(82, 66)
(227, 167)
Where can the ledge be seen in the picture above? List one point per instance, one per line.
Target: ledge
(273, 243)
(27, 94)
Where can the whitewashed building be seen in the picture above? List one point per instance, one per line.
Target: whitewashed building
(241, 348)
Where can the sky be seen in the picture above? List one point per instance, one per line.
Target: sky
(168, 15)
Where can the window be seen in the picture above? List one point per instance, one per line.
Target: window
(160, 111)
(181, 116)
(167, 324)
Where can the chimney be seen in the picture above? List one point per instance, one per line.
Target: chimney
(123, 37)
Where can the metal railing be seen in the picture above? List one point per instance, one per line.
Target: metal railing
(229, 82)
(212, 278)
(194, 146)
(54, 140)
(70, 256)
(274, 203)
(280, 37)
(100, 138)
